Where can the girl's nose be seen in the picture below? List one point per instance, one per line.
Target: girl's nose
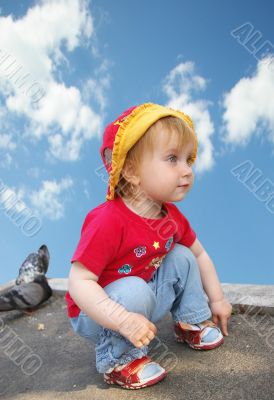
(186, 169)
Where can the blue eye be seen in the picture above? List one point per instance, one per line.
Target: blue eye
(172, 158)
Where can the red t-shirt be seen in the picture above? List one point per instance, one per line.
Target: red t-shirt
(116, 242)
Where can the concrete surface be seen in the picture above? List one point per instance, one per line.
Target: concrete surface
(57, 364)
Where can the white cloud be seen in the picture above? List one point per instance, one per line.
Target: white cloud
(249, 106)
(96, 88)
(181, 86)
(63, 114)
(36, 46)
(86, 185)
(6, 142)
(34, 172)
(6, 160)
(36, 39)
(10, 199)
(47, 201)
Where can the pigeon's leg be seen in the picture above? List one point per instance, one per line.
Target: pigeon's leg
(28, 312)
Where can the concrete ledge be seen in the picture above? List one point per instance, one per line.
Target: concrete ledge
(251, 299)
(59, 284)
(245, 298)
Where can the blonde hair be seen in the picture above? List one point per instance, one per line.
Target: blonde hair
(176, 127)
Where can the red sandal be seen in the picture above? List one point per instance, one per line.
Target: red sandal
(128, 376)
(193, 335)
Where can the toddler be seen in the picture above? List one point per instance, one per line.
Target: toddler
(138, 257)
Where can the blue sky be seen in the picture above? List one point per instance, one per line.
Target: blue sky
(67, 68)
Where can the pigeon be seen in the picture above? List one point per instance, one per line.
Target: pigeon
(31, 287)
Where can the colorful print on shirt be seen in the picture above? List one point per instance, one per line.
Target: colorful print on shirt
(155, 262)
(169, 243)
(140, 251)
(125, 269)
(156, 245)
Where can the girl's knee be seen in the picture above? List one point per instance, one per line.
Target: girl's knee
(133, 293)
(180, 250)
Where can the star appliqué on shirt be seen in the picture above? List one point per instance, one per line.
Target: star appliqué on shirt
(156, 245)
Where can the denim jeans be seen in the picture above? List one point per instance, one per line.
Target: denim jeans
(175, 287)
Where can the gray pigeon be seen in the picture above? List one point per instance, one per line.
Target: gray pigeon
(31, 287)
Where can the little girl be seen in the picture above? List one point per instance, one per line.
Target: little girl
(138, 257)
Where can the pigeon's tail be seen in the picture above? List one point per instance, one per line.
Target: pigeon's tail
(26, 295)
(44, 254)
(6, 303)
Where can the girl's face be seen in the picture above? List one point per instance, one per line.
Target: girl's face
(166, 174)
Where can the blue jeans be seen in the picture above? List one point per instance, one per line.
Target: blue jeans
(175, 287)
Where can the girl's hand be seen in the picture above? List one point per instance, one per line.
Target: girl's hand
(137, 329)
(221, 312)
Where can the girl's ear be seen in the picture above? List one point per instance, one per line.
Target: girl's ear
(130, 173)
